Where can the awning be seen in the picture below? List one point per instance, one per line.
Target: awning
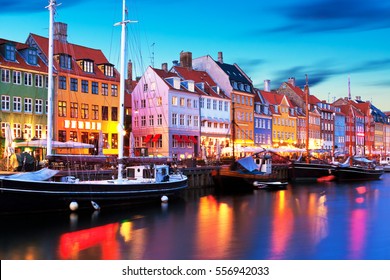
(185, 138)
(156, 137)
(147, 138)
(193, 139)
(177, 138)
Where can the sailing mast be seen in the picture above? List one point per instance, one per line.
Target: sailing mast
(122, 90)
(306, 90)
(50, 93)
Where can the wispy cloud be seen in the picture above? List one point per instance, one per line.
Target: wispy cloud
(8, 7)
(331, 15)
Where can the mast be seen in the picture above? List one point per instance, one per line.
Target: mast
(307, 117)
(50, 94)
(233, 128)
(122, 90)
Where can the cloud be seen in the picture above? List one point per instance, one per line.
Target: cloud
(8, 7)
(251, 64)
(331, 15)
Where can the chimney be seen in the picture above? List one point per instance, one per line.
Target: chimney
(164, 66)
(175, 63)
(60, 32)
(130, 70)
(267, 85)
(220, 57)
(186, 59)
(291, 81)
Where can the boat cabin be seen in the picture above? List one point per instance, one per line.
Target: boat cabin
(160, 173)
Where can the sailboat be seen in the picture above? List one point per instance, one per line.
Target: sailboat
(37, 191)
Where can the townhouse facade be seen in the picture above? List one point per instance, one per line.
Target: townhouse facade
(23, 91)
(86, 92)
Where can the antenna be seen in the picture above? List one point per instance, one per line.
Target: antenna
(152, 57)
(349, 88)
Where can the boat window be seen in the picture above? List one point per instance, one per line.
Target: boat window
(130, 173)
(148, 173)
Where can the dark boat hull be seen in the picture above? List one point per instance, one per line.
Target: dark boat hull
(40, 196)
(309, 172)
(357, 174)
(237, 181)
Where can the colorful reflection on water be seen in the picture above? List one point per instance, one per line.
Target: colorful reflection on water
(318, 221)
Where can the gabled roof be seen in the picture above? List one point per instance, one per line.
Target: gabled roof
(20, 62)
(77, 52)
(199, 77)
(235, 74)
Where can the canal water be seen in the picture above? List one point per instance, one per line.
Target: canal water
(318, 221)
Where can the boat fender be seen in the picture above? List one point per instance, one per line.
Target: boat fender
(164, 198)
(73, 206)
(95, 205)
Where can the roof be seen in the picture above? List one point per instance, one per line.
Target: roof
(235, 74)
(199, 77)
(78, 53)
(20, 62)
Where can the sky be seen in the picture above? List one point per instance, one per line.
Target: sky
(331, 41)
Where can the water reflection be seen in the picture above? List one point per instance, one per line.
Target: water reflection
(320, 221)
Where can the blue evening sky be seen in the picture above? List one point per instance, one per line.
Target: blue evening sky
(329, 40)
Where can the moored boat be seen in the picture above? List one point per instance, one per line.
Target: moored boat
(301, 171)
(358, 169)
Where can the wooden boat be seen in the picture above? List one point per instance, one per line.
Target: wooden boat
(301, 171)
(358, 169)
(37, 191)
(243, 173)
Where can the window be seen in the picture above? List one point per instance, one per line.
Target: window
(32, 57)
(181, 119)
(28, 79)
(174, 119)
(88, 66)
(17, 104)
(28, 105)
(18, 130)
(74, 109)
(38, 106)
(95, 88)
(151, 120)
(65, 61)
(189, 120)
(174, 100)
(208, 103)
(5, 102)
(145, 87)
(104, 113)
(143, 121)
(104, 89)
(84, 111)
(27, 131)
(196, 121)
(114, 90)
(17, 77)
(5, 75)
(109, 70)
(201, 103)
(220, 103)
(136, 122)
(39, 81)
(214, 104)
(159, 101)
(195, 104)
(114, 113)
(114, 141)
(182, 100)
(10, 52)
(95, 112)
(73, 84)
(38, 131)
(73, 136)
(143, 103)
(62, 108)
(84, 86)
(159, 119)
(62, 135)
(62, 82)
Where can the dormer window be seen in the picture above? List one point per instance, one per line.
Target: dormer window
(65, 61)
(109, 70)
(10, 52)
(88, 66)
(32, 57)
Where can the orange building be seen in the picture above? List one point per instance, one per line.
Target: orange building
(86, 89)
